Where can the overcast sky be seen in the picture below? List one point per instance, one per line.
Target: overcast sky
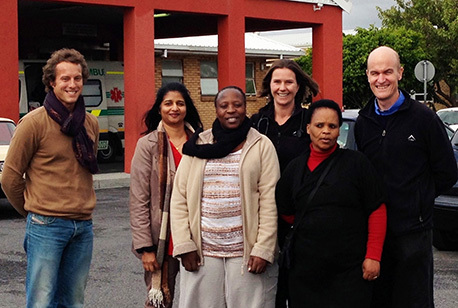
(364, 13)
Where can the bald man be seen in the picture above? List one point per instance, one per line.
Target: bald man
(409, 147)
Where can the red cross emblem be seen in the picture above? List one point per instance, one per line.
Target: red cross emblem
(116, 95)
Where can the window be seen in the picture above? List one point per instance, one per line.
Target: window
(92, 93)
(208, 78)
(6, 132)
(172, 71)
(35, 88)
(249, 79)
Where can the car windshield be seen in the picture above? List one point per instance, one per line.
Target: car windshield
(455, 139)
(449, 131)
(343, 137)
(449, 117)
(6, 132)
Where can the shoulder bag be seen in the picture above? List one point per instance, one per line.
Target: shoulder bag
(285, 256)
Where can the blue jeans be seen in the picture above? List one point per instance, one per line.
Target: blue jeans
(59, 253)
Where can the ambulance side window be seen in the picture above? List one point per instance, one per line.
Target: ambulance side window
(92, 93)
(36, 94)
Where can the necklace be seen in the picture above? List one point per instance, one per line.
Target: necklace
(177, 146)
(178, 139)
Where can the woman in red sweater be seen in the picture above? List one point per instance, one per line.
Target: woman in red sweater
(338, 241)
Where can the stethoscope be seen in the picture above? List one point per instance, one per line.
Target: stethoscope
(297, 133)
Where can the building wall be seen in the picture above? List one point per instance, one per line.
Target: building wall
(191, 79)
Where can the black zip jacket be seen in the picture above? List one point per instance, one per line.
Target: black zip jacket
(290, 139)
(411, 151)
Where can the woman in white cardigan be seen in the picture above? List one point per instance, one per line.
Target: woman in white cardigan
(223, 212)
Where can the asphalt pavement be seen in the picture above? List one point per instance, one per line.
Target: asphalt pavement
(112, 175)
(116, 276)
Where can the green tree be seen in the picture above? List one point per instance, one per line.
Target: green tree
(305, 61)
(437, 22)
(356, 48)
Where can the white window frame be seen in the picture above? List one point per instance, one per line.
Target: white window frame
(172, 71)
(208, 77)
(249, 78)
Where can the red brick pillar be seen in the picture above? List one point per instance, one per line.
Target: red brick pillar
(327, 56)
(138, 72)
(9, 103)
(231, 47)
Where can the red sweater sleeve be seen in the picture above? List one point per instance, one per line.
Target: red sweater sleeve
(288, 218)
(377, 231)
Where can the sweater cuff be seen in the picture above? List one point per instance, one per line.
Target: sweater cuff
(377, 231)
(146, 249)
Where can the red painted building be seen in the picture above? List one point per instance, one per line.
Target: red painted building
(130, 27)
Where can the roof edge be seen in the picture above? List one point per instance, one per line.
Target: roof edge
(345, 5)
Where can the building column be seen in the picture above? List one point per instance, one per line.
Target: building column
(9, 64)
(138, 71)
(327, 58)
(231, 47)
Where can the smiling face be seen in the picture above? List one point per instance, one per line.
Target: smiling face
(283, 86)
(173, 108)
(230, 108)
(323, 129)
(383, 74)
(68, 84)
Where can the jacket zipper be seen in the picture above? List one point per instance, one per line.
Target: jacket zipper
(383, 136)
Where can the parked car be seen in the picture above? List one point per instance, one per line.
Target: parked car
(449, 116)
(445, 234)
(346, 138)
(7, 127)
(449, 131)
(445, 231)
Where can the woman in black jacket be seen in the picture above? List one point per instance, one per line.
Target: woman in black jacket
(340, 229)
(287, 88)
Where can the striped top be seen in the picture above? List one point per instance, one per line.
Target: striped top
(222, 232)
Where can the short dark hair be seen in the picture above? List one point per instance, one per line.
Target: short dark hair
(153, 116)
(306, 84)
(242, 93)
(324, 103)
(63, 55)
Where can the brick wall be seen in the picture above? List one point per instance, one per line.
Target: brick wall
(191, 79)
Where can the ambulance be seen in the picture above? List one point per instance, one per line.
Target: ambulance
(103, 95)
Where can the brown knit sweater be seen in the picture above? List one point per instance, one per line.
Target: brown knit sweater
(55, 184)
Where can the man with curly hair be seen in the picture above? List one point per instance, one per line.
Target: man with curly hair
(47, 177)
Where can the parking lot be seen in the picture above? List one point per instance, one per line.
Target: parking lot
(116, 277)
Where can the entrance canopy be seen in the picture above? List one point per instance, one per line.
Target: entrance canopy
(125, 30)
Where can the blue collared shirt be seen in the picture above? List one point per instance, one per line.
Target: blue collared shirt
(392, 109)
